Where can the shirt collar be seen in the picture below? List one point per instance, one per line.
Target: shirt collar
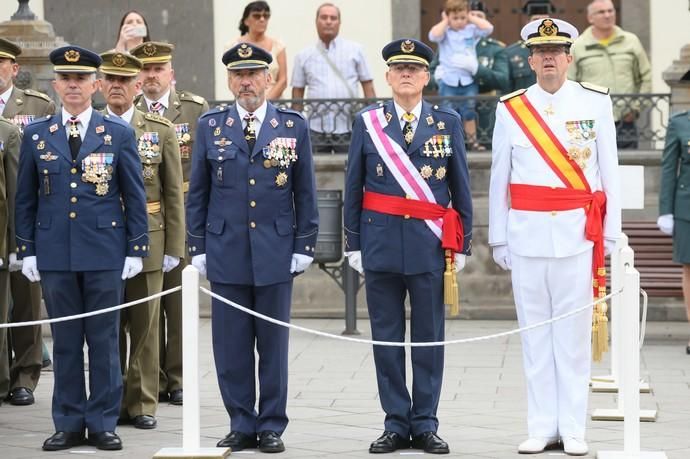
(259, 113)
(126, 116)
(84, 117)
(416, 111)
(333, 43)
(5, 96)
(165, 98)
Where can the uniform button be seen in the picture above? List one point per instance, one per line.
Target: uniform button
(73, 199)
(73, 185)
(306, 247)
(220, 158)
(553, 213)
(73, 170)
(682, 186)
(148, 161)
(143, 247)
(45, 171)
(23, 248)
(193, 248)
(252, 224)
(252, 181)
(160, 226)
(113, 223)
(251, 160)
(136, 248)
(252, 204)
(72, 215)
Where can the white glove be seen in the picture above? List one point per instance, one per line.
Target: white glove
(199, 262)
(170, 263)
(300, 262)
(354, 259)
(132, 267)
(30, 269)
(465, 62)
(665, 224)
(609, 246)
(502, 256)
(15, 265)
(460, 261)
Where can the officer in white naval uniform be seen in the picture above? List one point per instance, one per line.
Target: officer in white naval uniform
(538, 170)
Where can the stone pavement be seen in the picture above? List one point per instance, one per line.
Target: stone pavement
(334, 408)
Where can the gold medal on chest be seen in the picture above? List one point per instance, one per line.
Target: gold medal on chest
(281, 179)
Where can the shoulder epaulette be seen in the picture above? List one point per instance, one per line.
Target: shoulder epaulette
(187, 96)
(157, 119)
(214, 111)
(594, 87)
(513, 94)
(444, 109)
(40, 95)
(40, 119)
(289, 111)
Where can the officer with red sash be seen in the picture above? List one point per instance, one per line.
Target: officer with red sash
(553, 212)
(407, 205)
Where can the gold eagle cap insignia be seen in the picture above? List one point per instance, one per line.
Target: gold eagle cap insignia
(245, 51)
(407, 46)
(149, 49)
(548, 28)
(72, 55)
(119, 60)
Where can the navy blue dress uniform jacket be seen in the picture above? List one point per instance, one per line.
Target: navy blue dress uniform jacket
(393, 243)
(237, 210)
(60, 217)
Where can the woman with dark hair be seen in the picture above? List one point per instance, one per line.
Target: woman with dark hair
(134, 30)
(253, 27)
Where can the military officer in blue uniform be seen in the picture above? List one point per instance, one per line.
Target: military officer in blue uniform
(81, 229)
(252, 221)
(406, 151)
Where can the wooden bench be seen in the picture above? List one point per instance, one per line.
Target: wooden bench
(659, 275)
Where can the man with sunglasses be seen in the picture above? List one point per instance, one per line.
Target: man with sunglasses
(554, 211)
(407, 200)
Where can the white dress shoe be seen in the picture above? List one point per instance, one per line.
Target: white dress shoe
(574, 446)
(536, 445)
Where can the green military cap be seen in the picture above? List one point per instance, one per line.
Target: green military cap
(121, 64)
(9, 49)
(153, 52)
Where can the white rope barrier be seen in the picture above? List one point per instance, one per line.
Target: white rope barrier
(92, 313)
(406, 344)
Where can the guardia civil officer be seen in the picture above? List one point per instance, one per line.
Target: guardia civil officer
(159, 155)
(183, 109)
(21, 106)
(251, 224)
(554, 177)
(406, 165)
(81, 230)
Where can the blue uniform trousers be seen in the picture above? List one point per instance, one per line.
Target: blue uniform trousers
(235, 336)
(386, 294)
(68, 293)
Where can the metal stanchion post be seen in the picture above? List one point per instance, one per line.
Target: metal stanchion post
(191, 416)
(351, 287)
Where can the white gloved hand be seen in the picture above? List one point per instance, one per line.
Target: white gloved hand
(665, 224)
(132, 267)
(15, 264)
(199, 262)
(609, 246)
(300, 262)
(170, 263)
(502, 256)
(354, 259)
(30, 269)
(460, 261)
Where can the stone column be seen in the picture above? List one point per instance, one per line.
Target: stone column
(680, 89)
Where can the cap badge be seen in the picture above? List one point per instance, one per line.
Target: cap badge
(547, 28)
(119, 60)
(149, 49)
(72, 55)
(244, 51)
(407, 46)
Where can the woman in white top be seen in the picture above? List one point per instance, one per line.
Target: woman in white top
(253, 27)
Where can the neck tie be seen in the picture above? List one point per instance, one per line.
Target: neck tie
(156, 107)
(407, 128)
(74, 137)
(249, 131)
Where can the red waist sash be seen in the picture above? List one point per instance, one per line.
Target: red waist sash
(544, 198)
(452, 232)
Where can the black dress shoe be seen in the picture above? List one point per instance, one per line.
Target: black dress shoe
(270, 442)
(430, 443)
(21, 396)
(163, 397)
(687, 349)
(144, 421)
(176, 397)
(63, 440)
(238, 441)
(389, 442)
(108, 441)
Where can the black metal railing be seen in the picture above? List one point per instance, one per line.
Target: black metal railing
(331, 119)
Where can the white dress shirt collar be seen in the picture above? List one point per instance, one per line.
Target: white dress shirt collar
(416, 111)
(84, 120)
(126, 116)
(259, 115)
(165, 98)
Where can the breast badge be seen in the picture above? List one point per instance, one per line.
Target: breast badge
(40, 145)
(281, 179)
(580, 156)
(148, 145)
(49, 156)
(281, 152)
(379, 170)
(98, 169)
(580, 131)
(440, 173)
(426, 172)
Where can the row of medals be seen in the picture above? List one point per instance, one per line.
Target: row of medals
(98, 170)
(148, 148)
(280, 153)
(578, 132)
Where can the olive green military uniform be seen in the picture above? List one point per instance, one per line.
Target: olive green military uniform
(674, 192)
(183, 110)
(521, 75)
(162, 171)
(26, 342)
(10, 139)
(492, 78)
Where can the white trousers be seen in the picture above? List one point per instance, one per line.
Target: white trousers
(557, 356)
